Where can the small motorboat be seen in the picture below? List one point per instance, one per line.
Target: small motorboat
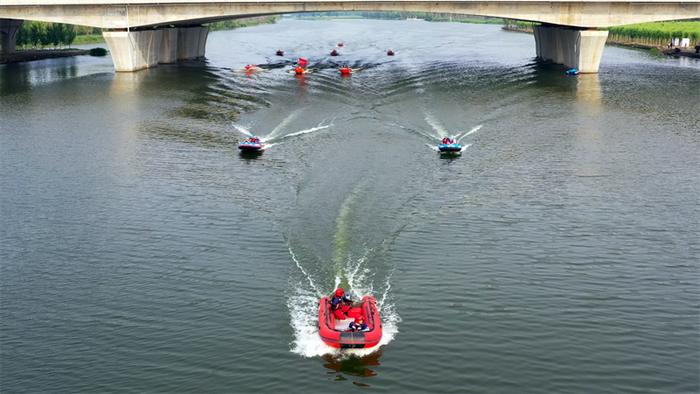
(251, 145)
(336, 333)
(279, 52)
(334, 53)
(448, 145)
(390, 53)
(572, 71)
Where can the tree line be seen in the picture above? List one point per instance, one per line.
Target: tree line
(42, 34)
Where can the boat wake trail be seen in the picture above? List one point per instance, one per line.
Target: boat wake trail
(283, 124)
(438, 128)
(359, 274)
(459, 137)
(274, 138)
(305, 131)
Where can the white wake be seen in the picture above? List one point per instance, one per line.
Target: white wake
(303, 309)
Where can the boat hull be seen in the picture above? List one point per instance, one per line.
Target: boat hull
(337, 337)
(450, 147)
(250, 147)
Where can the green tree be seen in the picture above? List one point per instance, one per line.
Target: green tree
(69, 34)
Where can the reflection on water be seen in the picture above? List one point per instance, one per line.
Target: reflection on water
(126, 84)
(588, 90)
(352, 366)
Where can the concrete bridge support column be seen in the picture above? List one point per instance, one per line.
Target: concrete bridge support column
(134, 50)
(8, 34)
(168, 46)
(572, 47)
(191, 42)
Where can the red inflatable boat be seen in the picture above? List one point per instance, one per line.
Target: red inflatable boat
(335, 332)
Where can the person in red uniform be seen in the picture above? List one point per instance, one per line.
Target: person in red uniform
(340, 304)
(302, 62)
(358, 325)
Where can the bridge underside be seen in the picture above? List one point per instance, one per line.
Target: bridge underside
(583, 14)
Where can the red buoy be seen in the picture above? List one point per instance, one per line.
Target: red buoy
(345, 71)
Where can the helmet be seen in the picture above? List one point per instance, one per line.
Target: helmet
(359, 319)
(339, 292)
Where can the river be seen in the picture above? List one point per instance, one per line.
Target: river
(559, 253)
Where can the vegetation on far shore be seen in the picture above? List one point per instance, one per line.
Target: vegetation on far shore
(42, 35)
(651, 34)
(243, 22)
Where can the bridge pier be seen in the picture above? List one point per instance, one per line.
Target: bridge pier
(191, 42)
(140, 49)
(572, 47)
(134, 50)
(8, 34)
(168, 45)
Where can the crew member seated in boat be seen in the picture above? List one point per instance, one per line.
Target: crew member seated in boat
(447, 141)
(340, 304)
(358, 325)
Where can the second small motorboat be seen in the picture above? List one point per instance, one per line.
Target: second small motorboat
(251, 145)
(448, 145)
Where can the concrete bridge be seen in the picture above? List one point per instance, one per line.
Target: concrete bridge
(144, 33)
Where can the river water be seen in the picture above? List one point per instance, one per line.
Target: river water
(559, 253)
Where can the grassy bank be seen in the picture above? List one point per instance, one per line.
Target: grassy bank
(243, 22)
(88, 39)
(656, 34)
(653, 34)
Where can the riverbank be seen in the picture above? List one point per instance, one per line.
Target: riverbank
(82, 39)
(39, 54)
(612, 40)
